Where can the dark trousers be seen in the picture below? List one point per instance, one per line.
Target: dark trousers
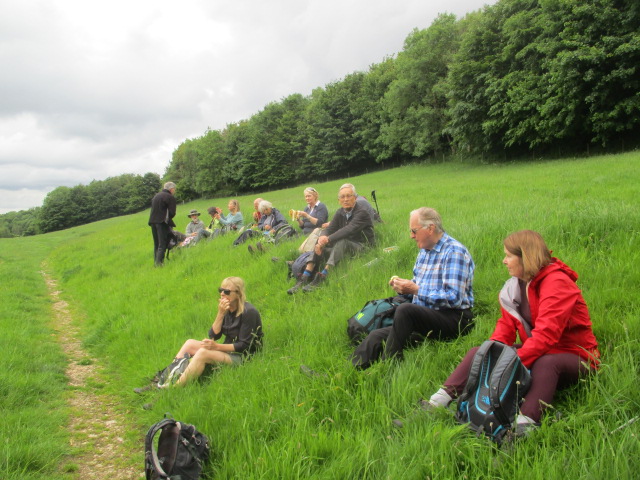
(160, 232)
(549, 373)
(246, 235)
(412, 324)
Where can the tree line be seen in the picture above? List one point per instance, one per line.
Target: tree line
(520, 78)
(66, 207)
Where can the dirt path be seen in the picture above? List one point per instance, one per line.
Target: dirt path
(96, 426)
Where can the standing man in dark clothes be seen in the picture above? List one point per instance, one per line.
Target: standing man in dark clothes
(349, 232)
(163, 209)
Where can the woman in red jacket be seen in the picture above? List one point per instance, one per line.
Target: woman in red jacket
(542, 304)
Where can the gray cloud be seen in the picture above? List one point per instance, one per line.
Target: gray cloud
(97, 90)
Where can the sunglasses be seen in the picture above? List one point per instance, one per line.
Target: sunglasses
(226, 291)
(416, 230)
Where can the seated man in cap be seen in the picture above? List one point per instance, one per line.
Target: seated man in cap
(194, 228)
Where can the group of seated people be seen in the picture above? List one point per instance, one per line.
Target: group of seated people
(540, 303)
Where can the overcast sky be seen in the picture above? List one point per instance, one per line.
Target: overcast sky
(91, 90)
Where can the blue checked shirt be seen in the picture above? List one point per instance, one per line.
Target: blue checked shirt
(444, 276)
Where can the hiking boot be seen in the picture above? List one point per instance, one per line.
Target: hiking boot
(304, 279)
(317, 281)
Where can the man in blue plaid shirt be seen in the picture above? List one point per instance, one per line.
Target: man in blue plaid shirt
(441, 292)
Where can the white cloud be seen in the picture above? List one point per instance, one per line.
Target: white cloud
(98, 89)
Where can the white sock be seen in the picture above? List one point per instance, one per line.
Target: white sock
(524, 420)
(440, 399)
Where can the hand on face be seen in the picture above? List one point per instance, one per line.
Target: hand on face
(223, 305)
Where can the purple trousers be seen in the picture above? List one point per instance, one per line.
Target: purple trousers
(549, 373)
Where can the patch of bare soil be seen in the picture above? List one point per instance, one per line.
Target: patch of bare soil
(96, 426)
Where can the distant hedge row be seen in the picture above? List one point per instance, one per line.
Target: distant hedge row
(67, 207)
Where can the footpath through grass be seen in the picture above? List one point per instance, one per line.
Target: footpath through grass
(33, 438)
(266, 420)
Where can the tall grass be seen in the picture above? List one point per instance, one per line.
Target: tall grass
(267, 420)
(33, 440)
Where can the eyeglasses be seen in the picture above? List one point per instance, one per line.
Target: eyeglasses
(226, 291)
(415, 230)
(310, 189)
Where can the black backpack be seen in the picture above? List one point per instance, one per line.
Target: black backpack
(497, 383)
(283, 231)
(182, 450)
(375, 314)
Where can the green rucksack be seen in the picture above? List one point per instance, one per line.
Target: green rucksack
(375, 314)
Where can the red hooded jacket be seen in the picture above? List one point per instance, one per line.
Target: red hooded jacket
(560, 320)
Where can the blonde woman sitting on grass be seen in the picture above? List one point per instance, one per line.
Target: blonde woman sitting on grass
(237, 320)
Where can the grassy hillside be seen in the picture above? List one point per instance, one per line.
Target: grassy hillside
(267, 420)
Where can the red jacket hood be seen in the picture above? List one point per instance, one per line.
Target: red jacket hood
(554, 266)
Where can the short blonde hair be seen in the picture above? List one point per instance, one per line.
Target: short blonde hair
(532, 250)
(238, 283)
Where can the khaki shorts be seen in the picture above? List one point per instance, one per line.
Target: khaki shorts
(236, 359)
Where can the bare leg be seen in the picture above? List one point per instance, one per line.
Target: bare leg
(191, 346)
(202, 358)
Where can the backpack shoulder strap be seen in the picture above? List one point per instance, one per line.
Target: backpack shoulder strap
(507, 370)
(150, 452)
(476, 367)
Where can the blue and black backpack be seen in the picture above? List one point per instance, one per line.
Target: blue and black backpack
(497, 384)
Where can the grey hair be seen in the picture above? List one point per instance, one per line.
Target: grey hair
(349, 185)
(263, 205)
(169, 185)
(428, 216)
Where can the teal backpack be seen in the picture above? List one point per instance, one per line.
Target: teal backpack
(375, 314)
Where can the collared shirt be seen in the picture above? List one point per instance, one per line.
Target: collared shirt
(444, 276)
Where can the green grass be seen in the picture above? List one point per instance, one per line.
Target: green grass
(266, 420)
(33, 439)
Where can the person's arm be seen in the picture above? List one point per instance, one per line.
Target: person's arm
(557, 297)
(278, 218)
(248, 330)
(359, 222)
(505, 331)
(238, 220)
(215, 332)
(171, 206)
(319, 216)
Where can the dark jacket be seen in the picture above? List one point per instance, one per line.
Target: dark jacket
(163, 208)
(320, 213)
(359, 227)
(274, 220)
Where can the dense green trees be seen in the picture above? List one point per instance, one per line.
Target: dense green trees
(66, 207)
(518, 76)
